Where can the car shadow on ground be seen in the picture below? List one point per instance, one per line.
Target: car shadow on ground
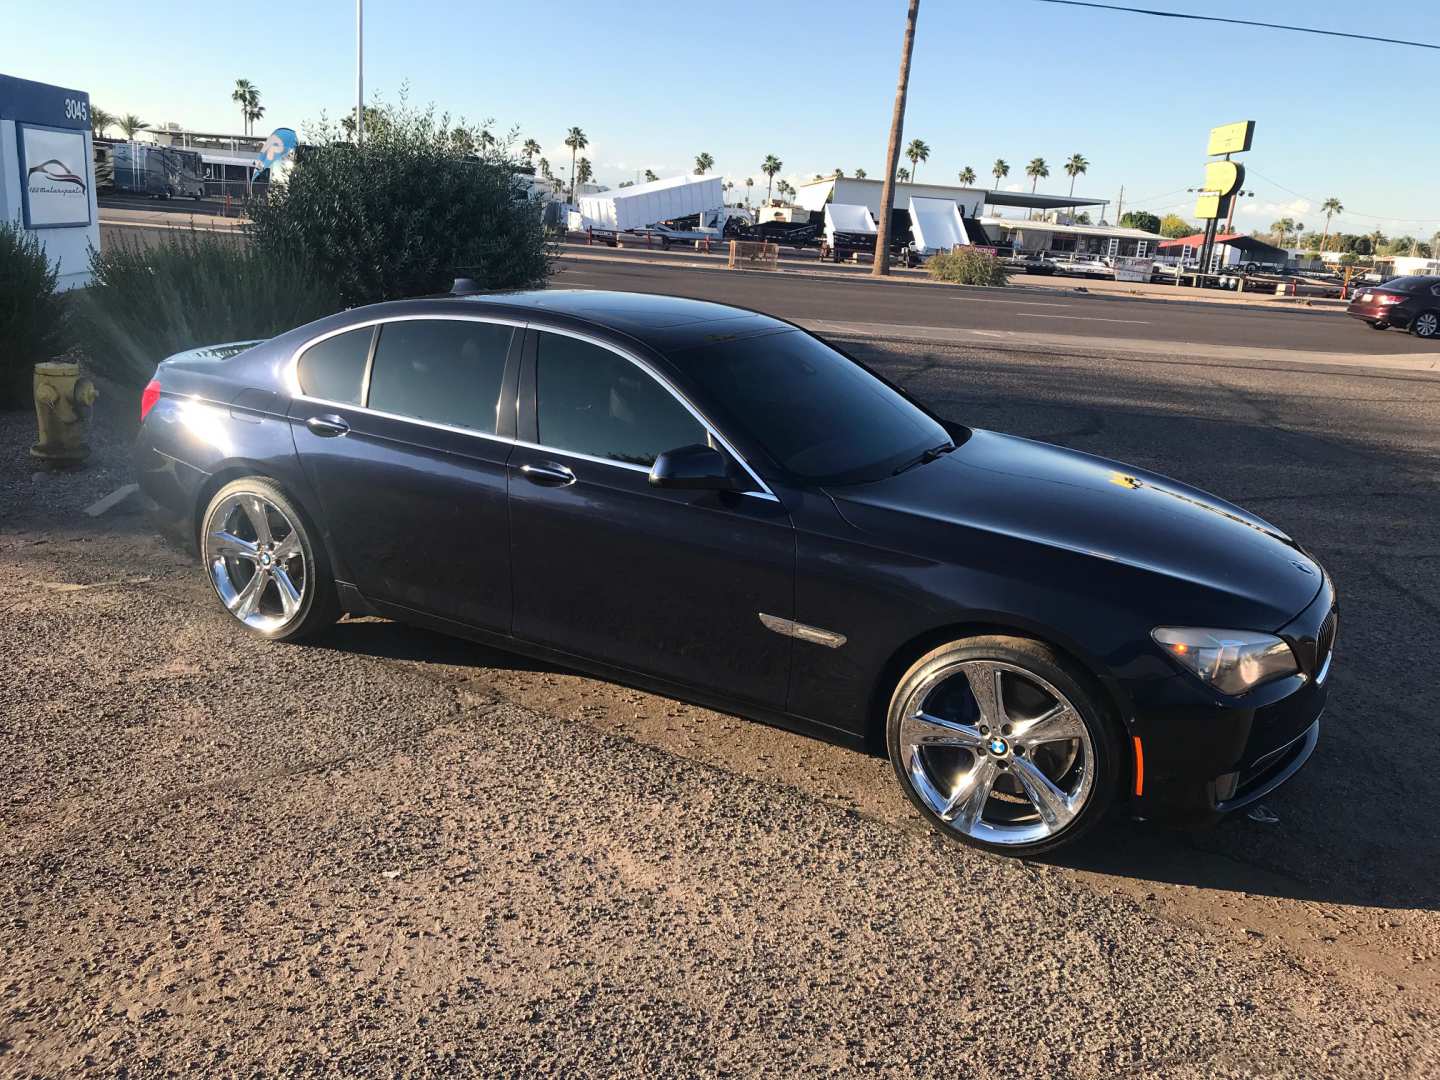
(388, 640)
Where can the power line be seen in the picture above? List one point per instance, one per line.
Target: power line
(1241, 22)
(1310, 198)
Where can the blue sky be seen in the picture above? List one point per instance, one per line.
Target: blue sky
(653, 84)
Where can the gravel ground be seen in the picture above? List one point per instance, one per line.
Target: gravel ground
(391, 853)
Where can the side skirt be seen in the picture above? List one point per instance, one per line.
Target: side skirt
(355, 602)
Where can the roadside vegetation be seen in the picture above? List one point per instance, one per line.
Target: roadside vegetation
(967, 267)
(423, 201)
(32, 315)
(193, 289)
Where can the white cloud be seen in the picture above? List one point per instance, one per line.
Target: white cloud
(1014, 187)
(1275, 210)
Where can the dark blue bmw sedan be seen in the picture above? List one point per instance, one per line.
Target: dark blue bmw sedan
(714, 504)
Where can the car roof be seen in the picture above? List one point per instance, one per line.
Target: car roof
(665, 323)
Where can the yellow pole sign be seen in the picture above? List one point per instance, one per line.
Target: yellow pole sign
(1207, 205)
(1231, 138)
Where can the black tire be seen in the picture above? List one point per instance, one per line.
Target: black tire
(1036, 659)
(1378, 325)
(319, 606)
(1426, 324)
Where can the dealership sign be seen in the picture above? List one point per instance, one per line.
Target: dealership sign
(55, 171)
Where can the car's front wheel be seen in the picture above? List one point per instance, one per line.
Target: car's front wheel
(1426, 324)
(264, 564)
(1001, 746)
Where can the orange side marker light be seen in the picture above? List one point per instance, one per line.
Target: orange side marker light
(1139, 765)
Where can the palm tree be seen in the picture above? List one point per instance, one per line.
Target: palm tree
(1036, 170)
(1377, 241)
(584, 173)
(838, 173)
(1076, 166)
(576, 141)
(770, 167)
(253, 113)
(703, 164)
(917, 152)
(1000, 170)
(859, 174)
(530, 148)
(244, 95)
(100, 120)
(902, 174)
(881, 266)
(650, 176)
(131, 125)
(967, 176)
(1330, 207)
(544, 167)
(749, 183)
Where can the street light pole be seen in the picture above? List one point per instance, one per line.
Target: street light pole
(359, 72)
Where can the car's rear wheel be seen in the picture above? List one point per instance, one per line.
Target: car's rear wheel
(1426, 324)
(1001, 746)
(263, 563)
(1378, 325)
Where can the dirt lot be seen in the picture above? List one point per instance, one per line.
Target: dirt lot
(395, 854)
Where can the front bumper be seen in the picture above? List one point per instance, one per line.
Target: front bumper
(1198, 762)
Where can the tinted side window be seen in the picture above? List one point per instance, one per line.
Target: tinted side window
(591, 401)
(446, 371)
(334, 369)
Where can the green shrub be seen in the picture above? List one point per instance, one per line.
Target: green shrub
(193, 289)
(966, 267)
(421, 203)
(31, 312)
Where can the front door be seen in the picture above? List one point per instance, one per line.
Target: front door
(400, 437)
(663, 582)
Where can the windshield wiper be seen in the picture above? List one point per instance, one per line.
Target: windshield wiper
(924, 459)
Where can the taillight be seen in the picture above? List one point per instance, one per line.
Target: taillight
(1387, 298)
(148, 397)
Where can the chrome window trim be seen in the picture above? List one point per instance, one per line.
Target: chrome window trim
(292, 381)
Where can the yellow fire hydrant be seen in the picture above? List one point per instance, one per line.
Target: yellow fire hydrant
(63, 398)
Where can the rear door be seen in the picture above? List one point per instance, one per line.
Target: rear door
(667, 583)
(404, 432)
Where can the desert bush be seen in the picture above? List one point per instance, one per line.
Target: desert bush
(421, 202)
(194, 289)
(966, 267)
(32, 315)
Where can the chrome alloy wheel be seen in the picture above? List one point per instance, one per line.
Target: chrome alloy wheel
(256, 562)
(996, 752)
(1427, 324)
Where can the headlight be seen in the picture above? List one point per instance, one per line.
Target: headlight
(1232, 661)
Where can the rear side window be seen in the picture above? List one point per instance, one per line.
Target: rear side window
(591, 401)
(446, 371)
(334, 369)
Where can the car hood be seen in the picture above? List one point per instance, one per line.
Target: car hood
(1081, 503)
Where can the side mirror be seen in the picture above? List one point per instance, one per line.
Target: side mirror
(696, 468)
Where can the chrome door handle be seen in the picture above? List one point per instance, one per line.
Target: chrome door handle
(328, 426)
(548, 475)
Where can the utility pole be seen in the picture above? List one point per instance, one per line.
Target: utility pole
(359, 72)
(892, 154)
(1120, 205)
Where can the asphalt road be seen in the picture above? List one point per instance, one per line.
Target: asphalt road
(1049, 312)
(390, 853)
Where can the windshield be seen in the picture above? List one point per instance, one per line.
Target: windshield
(821, 417)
